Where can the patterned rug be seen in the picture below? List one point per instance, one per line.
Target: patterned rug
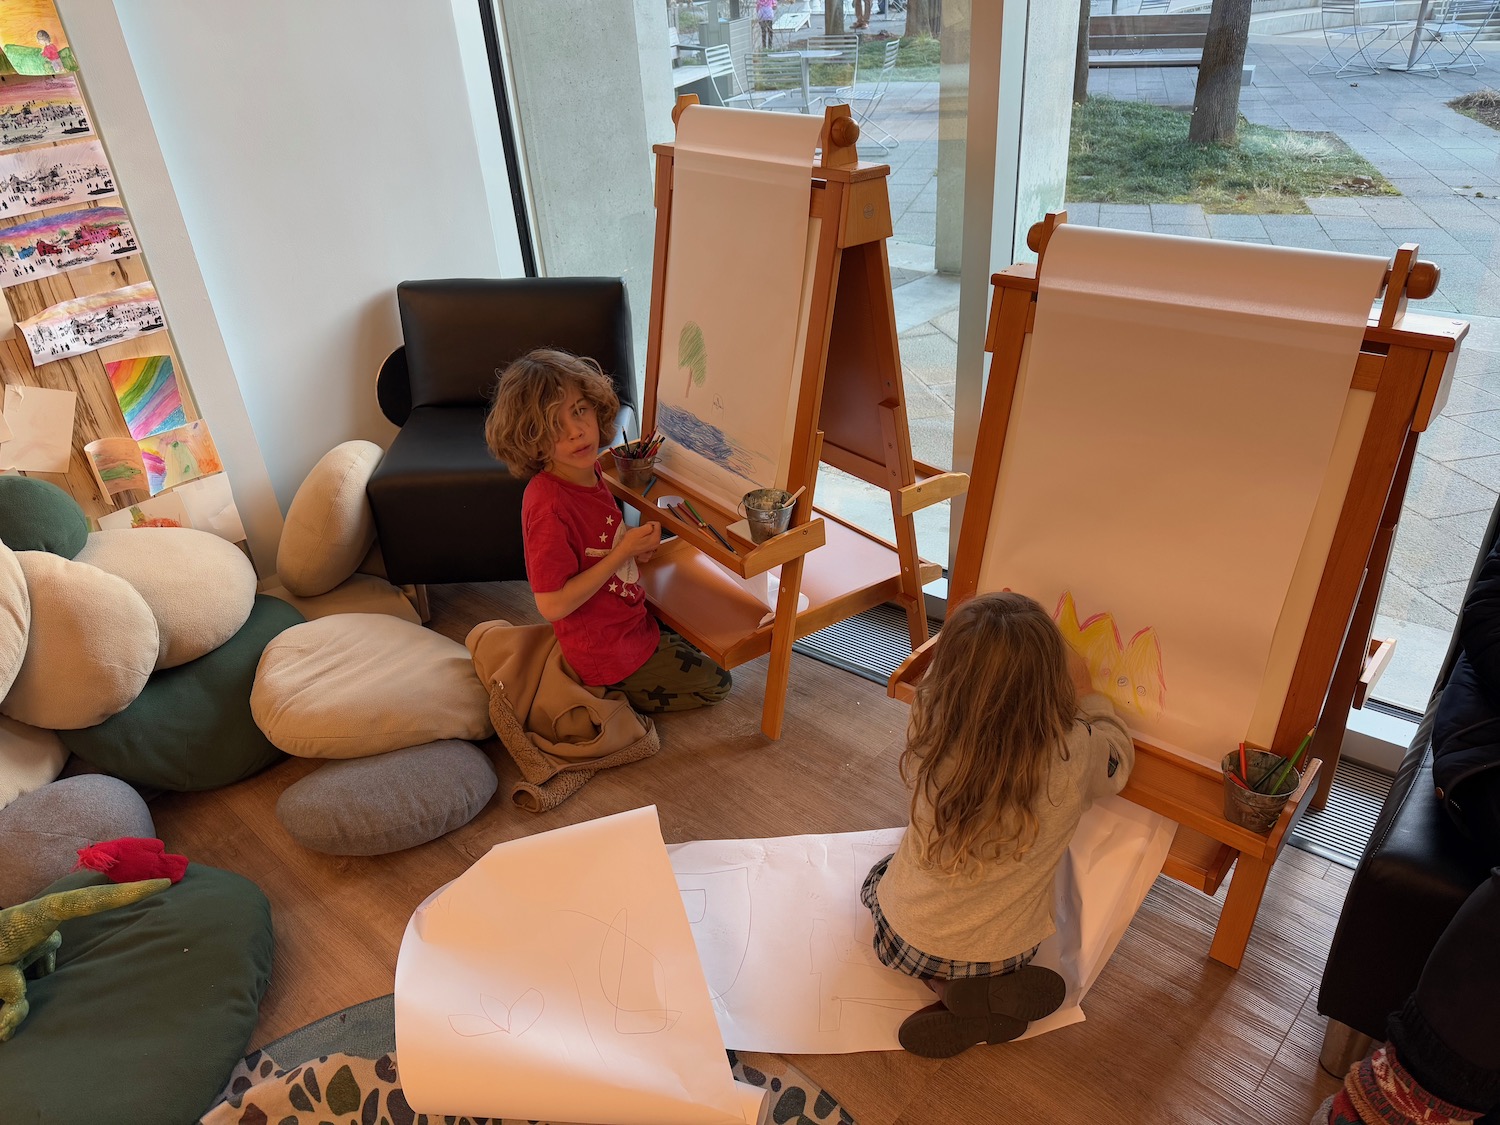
(343, 1068)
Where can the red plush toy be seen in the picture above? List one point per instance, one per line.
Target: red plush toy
(132, 858)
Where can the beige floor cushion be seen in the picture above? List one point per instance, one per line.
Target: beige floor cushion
(200, 588)
(93, 644)
(15, 617)
(359, 593)
(329, 528)
(29, 758)
(357, 684)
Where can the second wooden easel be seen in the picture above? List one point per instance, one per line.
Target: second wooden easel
(851, 414)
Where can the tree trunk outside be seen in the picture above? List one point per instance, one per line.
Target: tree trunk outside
(1216, 101)
(1081, 59)
(924, 17)
(833, 17)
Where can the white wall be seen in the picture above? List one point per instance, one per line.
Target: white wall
(320, 153)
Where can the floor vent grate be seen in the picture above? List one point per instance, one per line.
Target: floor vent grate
(871, 644)
(1342, 829)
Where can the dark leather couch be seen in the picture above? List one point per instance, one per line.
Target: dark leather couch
(445, 510)
(1416, 871)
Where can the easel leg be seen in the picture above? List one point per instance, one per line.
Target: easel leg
(1334, 720)
(1241, 904)
(783, 635)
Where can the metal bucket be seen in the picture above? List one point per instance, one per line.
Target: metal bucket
(768, 512)
(1247, 808)
(634, 471)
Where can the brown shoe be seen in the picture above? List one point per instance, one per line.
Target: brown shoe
(936, 1033)
(1029, 993)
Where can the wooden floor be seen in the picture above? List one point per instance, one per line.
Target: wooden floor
(1170, 1036)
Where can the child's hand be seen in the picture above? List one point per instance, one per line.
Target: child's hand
(1078, 671)
(638, 541)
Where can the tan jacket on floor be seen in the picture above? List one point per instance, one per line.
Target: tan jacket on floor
(559, 731)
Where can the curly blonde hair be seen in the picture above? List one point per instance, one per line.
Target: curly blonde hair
(523, 421)
(990, 717)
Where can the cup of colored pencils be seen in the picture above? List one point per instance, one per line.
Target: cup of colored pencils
(636, 460)
(1257, 784)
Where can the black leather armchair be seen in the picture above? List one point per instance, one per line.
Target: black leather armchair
(445, 510)
(1416, 871)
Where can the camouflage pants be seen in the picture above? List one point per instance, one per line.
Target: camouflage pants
(676, 677)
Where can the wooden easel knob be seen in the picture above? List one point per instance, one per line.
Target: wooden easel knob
(844, 131)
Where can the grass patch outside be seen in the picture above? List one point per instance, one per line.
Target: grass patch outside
(1132, 152)
(1482, 105)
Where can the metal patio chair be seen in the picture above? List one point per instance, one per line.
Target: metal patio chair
(1346, 39)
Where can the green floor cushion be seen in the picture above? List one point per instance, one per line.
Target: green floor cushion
(90, 649)
(41, 832)
(370, 806)
(15, 617)
(36, 515)
(198, 587)
(190, 728)
(149, 1009)
(357, 684)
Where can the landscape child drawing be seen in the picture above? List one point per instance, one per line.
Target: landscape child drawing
(53, 177)
(85, 324)
(33, 110)
(55, 243)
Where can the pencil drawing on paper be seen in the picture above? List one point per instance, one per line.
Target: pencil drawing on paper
(631, 979)
(692, 354)
(495, 1015)
(720, 910)
(706, 439)
(1130, 673)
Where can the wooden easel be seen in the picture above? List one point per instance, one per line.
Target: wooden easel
(851, 413)
(1404, 360)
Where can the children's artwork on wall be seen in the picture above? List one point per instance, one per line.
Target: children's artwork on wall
(85, 324)
(210, 506)
(70, 241)
(149, 397)
(557, 980)
(786, 943)
(53, 177)
(731, 342)
(41, 424)
(1129, 672)
(117, 464)
(32, 38)
(165, 510)
(1168, 441)
(173, 457)
(33, 110)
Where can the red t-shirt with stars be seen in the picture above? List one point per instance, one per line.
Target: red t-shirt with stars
(567, 528)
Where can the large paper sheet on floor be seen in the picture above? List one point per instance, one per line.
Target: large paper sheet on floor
(1169, 437)
(786, 943)
(734, 305)
(556, 979)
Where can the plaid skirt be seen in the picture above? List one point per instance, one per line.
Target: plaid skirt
(895, 953)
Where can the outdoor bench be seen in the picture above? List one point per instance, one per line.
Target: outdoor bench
(1154, 35)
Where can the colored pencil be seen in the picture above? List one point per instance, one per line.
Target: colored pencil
(1244, 771)
(706, 526)
(1278, 775)
(650, 484)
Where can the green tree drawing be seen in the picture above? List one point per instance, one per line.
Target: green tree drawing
(692, 353)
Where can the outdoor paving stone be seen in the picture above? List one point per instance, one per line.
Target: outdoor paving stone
(1467, 526)
(1350, 228)
(1334, 205)
(931, 359)
(1176, 213)
(1426, 554)
(1450, 440)
(1085, 213)
(947, 324)
(921, 402)
(1431, 239)
(1237, 227)
(1181, 231)
(1378, 247)
(1437, 490)
(1401, 601)
(1484, 471)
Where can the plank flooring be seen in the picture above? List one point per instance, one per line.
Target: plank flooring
(1170, 1035)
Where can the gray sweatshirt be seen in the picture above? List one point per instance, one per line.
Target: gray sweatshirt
(994, 909)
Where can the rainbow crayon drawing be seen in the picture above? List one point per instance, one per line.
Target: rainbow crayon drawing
(148, 394)
(179, 455)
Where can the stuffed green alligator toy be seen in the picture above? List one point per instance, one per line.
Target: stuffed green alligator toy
(29, 937)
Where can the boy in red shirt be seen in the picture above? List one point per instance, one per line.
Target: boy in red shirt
(550, 411)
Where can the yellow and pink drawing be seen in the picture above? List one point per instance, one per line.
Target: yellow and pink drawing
(1130, 673)
(174, 456)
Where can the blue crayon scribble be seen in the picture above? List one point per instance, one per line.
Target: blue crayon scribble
(705, 439)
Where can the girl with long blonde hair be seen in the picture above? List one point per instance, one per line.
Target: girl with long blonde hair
(1008, 745)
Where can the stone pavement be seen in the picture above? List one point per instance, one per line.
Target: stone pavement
(1447, 167)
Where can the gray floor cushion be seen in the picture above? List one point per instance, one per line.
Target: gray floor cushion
(41, 831)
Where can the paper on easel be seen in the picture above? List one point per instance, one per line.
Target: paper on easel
(764, 588)
(557, 980)
(1170, 434)
(786, 943)
(210, 506)
(41, 424)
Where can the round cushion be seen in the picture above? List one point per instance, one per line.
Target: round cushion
(199, 587)
(41, 832)
(29, 758)
(92, 645)
(329, 528)
(359, 593)
(149, 1009)
(15, 617)
(191, 728)
(36, 515)
(370, 806)
(357, 684)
